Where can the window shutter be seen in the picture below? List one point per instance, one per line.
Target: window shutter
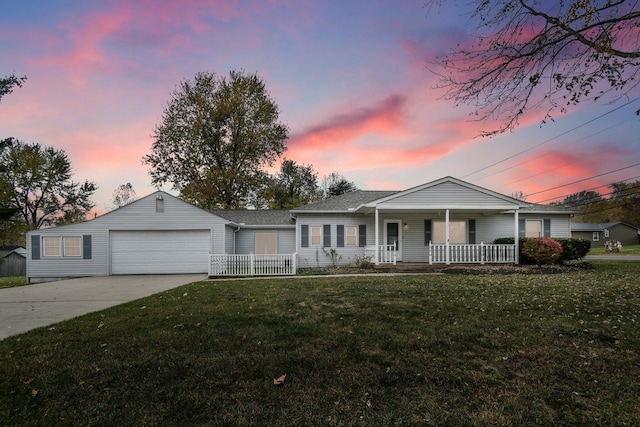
(472, 231)
(35, 246)
(427, 232)
(304, 232)
(546, 227)
(86, 246)
(340, 235)
(362, 235)
(522, 228)
(326, 236)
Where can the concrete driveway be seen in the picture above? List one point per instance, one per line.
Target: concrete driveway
(32, 306)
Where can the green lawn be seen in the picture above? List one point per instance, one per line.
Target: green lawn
(454, 350)
(599, 249)
(10, 282)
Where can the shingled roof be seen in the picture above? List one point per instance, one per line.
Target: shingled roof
(345, 202)
(256, 216)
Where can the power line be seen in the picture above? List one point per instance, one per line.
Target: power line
(546, 154)
(582, 180)
(589, 189)
(551, 139)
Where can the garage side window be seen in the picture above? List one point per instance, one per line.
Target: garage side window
(57, 246)
(51, 246)
(72, 246)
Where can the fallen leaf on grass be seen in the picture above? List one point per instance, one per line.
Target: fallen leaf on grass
(34, 392)
(280, 380)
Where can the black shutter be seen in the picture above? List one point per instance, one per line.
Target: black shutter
(86, 246)
(472, 231)
(326, 236)
(340, 235)
(304, 232)
(427, 232)
(546, 228)
(35, 246)
(522, 228)
(362, 235)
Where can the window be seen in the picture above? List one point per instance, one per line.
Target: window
(51, 246)
(57, 246)
(266, 243)
(457, 231)
(72, 246)
(352, 235)
(533, 228)
(316, 236)
(606, 233)
(596, 236)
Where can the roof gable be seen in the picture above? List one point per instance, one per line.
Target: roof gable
(449, 192)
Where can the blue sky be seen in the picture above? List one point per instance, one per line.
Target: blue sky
(350, 77)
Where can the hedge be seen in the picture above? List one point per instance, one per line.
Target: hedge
(572, 249)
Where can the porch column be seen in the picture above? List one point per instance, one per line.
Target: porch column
(377, 244)
(446, 228)
(515, 239)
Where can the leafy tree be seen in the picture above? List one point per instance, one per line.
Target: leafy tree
(295, 185)
(335, 184)
(625, 198)
(123, 195)
(39, 186)
(216, 135)
(528, 54)
(9, 82)
(581, 199)
(623, 204)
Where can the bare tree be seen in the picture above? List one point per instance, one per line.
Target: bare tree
(122, 196)
(529, 54)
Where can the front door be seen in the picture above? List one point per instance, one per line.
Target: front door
(393, 236)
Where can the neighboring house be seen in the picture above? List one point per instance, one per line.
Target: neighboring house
(599, 234)
(13, 261)
(444, 221)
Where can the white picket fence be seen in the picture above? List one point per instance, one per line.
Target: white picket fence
(471, 254)
(252, 265)
(387, 254)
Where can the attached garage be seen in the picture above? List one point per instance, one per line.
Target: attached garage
(160, 252)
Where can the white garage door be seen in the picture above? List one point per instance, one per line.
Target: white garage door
(160, 252)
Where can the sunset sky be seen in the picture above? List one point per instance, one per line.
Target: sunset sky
(350, 76)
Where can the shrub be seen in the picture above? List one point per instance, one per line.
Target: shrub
(363, 262)
(542, 250)
(573, 249)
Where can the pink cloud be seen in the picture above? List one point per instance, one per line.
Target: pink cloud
(385, 118)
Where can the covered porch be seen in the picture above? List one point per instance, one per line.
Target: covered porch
(448, 235)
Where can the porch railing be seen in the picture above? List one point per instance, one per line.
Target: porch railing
(443, 253)
(252, 265)
(387, 254)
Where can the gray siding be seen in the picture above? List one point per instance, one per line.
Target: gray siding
(229, 241)
(285, 240)
(560, 224)
(314, 256)
(447, 194)
(140, 215)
